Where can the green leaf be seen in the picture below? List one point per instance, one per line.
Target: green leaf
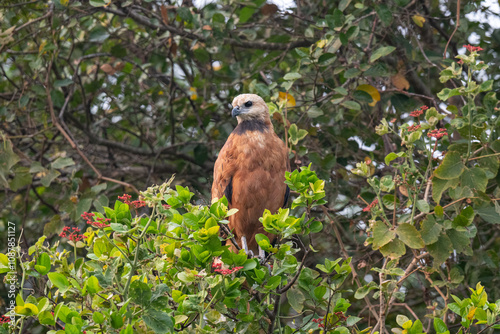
(401, 319)
(381, 52)
(465, 217)
(49, 177)
(43, 264)
(451, 167)
(316, 226)
(385, 14)
(460, 241)
(21, 179)
(341, 91)
(93, 285)
(97, 3)
(417, 328)
(352, 320)
(296, 134)
(362, 291)
(62, 162)
(59, 281)
(474, 178)
(184, 13)
(140, 293)
(273, 282)
(314, 112)
(4, 265)
(327, 59)
(343, 4)
(71, 329)
(394, 249)
(158, 321)
(410, 236)
(389, 200)
(381, 234)
(440, 185)
(440, 326)
(441, 249)
(98, 34)
(352, 73)
(63, 83)
(319, 292)
(446, 93)
(486, 86)
(430, 231)
(100, 247)
(246, 13)
(117, 320)
(351, 105)
(119, 51)
(97, 317)
(296, 299)
(489, 214)
(392, 156)
(46, 318)
(423, 206)
(292, 76)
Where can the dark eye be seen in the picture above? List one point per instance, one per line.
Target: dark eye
(248, 104)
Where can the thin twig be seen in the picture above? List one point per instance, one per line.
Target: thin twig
(485, 156)
(346, 256)
(408, 308)
(292, 282)
(455, 30)
(382, 311)
(49, 13)
(420, 215)
(70, 141)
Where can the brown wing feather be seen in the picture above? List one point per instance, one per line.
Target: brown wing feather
(255, 163)
(223, 169)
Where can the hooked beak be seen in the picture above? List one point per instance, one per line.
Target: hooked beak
(236, 111)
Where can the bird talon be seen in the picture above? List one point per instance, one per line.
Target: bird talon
(245, 247)
(262, 255)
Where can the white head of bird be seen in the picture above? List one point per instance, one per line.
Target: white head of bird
(249, 107)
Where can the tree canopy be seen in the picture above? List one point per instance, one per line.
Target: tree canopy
(100, 98)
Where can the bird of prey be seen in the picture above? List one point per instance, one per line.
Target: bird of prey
(250, 171)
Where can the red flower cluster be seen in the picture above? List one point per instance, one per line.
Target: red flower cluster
(166, 206)
(418, 112)
(414, 127)
(73, 234)
(341, 316)
(471, 48)
(125, 198)
(219, 269)
(437, 133)
(99, 222)
(371, 205)
(136, 204)
(319, 322)
(4, 319)
(460, 62)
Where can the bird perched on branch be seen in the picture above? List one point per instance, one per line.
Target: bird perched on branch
(250, 171)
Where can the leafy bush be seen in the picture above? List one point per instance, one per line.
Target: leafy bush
(168, 270)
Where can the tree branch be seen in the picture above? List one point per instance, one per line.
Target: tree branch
(192, 36)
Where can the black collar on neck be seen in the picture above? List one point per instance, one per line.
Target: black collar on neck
(250, 125)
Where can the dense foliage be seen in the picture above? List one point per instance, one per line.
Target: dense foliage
(394, 152)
